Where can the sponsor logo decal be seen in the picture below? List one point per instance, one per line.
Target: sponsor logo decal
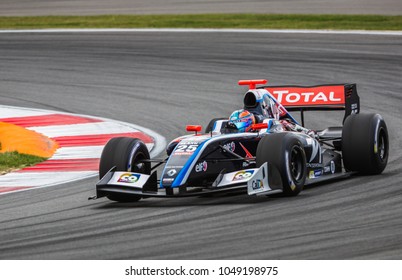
(242, 175)
(230, 146)
(314, 165)
(355, 108)
(201, 167)
(315, 173)
(323, 95)
(174, 166)
(167, 180)
(257, 184)
(129, 178)
(171, 172)
(190, 143)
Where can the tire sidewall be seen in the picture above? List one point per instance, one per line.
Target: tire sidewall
(276, 149)
(362, 136)
(295, 183)
(138, 151)
(122, 153)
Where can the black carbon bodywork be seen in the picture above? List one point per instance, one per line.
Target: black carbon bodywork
(200, 164)
(217, 155)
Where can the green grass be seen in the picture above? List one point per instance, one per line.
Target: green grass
(258, 21)
(12, 161)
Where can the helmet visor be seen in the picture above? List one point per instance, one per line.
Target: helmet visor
(242, 124)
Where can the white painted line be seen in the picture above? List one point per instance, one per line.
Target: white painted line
(209, 30)
(83, 152)
(42, 179)
(78, 152)
(7, 112)
(82, 129)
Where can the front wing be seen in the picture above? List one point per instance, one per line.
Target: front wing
(254, 180)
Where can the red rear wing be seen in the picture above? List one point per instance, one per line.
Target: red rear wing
(320, 97)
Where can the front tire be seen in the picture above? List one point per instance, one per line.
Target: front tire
(286, 160)
(365, 144)
(126, 154)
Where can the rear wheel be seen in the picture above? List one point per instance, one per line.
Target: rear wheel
(286, 160)
(126, 154)
(365, 143)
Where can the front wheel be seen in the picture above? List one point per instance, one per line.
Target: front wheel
(126, 154)
(286, 160)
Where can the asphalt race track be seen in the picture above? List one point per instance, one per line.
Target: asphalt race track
(166, 80)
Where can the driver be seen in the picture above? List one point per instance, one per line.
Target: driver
(241, 120)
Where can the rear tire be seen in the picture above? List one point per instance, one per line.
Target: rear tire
(365, 144)
(124, 153)
(286, 160)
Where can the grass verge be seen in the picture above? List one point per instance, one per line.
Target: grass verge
(255, 21)
(10, 161)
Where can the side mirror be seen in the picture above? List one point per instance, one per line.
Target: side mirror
(194, 128)
(259, 126)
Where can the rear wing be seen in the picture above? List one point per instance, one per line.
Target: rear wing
(320, 97)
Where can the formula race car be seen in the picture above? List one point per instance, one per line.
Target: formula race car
(260, 149)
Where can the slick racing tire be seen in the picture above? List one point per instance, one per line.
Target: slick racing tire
(124, 153)
(365, 144)
(286, 160)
